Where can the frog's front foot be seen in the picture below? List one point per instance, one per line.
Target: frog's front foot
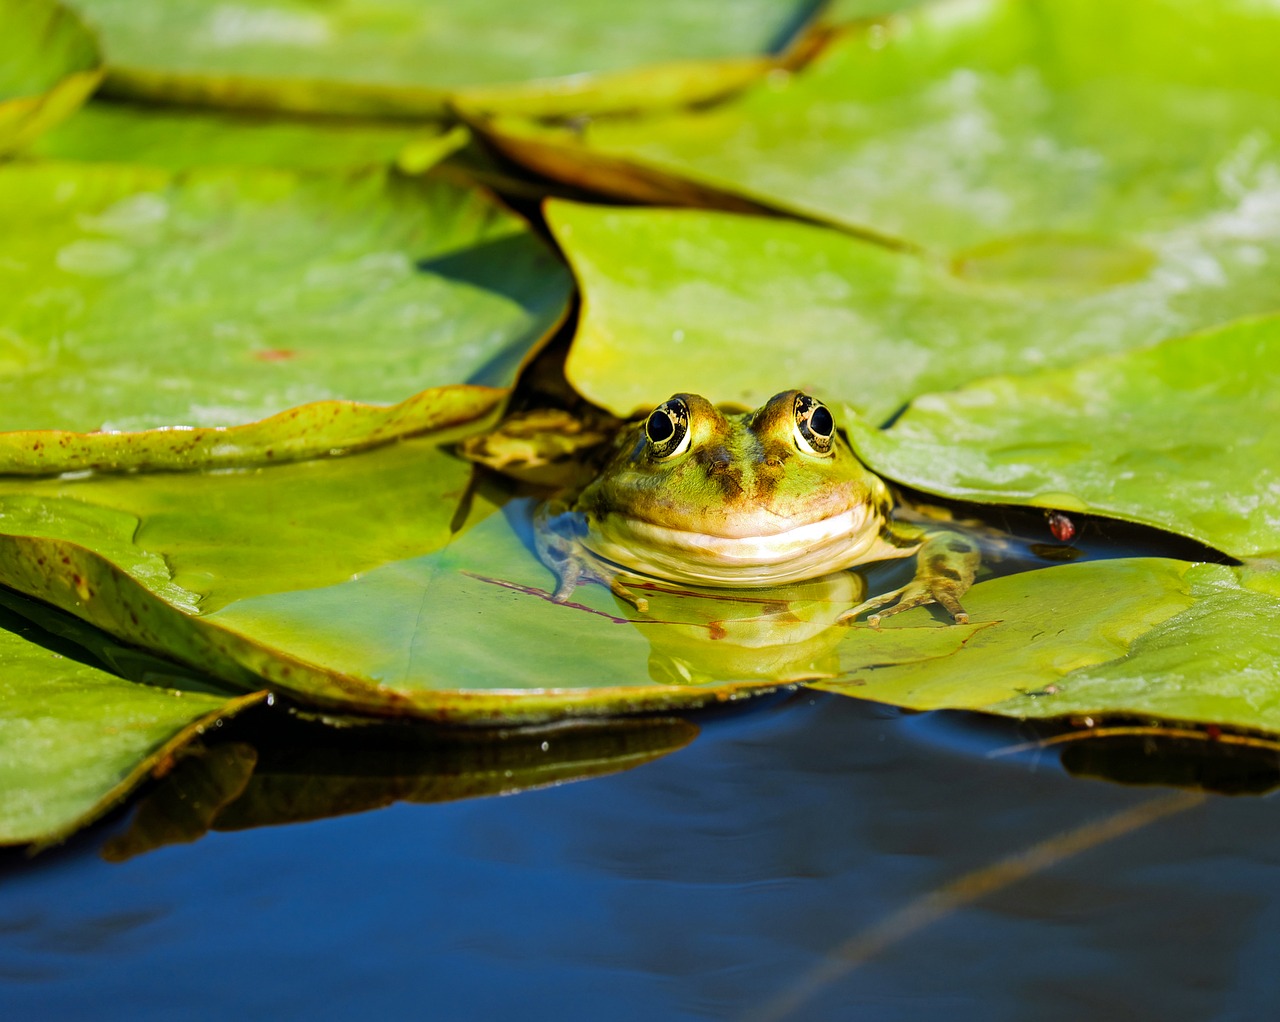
(572, 575)
(556, 540)
(946, 565)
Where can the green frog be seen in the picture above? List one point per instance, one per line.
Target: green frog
(696, 495)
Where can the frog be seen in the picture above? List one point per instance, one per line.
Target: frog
(703, 495)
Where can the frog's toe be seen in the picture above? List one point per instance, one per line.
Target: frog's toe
(627, 596)
(948, 599)
(919, 593)
(853, 613)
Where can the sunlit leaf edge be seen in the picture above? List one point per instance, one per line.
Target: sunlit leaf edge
(657, 86)
(308, 431)
(23, 117)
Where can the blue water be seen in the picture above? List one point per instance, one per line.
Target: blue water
(708, 884)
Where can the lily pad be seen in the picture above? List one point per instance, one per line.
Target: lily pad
(1182, 436)
(49, 64)
(738, 307)
(972, 123)
(1146, 637)
(252, 293)
(365, 583)
(179, 139)
(408, 57)
(75, 740)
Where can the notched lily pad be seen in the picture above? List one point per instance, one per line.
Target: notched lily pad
(49, 64)
(1182, 436)
(343, 583)
(369, 288)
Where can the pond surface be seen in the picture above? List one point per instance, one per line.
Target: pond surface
(807, 857)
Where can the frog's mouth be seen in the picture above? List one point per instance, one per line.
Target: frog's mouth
(806, 550)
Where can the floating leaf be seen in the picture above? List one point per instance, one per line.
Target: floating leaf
(332, 582)
(1144, 637)
(407, 57)
(987, 125)
(179, 139)
(737, 308)
(49, 64)
(74, 740)
(251, 293)
(1182, 436)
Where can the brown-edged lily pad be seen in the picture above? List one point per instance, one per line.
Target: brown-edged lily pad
(413, 57)
(968, 128)
(308, 311)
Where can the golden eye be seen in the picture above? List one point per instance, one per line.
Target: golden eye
(667, 429)
(815, 425)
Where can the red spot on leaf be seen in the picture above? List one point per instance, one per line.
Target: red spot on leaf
(275, 354)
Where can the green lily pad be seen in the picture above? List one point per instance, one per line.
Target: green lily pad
(252, 293)
(75, 740)
(1145, 637)
(408, 57)
(329, 772)
(1182, 436)
(178, 139)
(49, 64)
(737, 308)
(973, 123)
(374, 583)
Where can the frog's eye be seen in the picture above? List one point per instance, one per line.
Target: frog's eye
(815, 425)
(667, 429)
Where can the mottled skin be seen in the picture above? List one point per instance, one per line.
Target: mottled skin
(696, 495)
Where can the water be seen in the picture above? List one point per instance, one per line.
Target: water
(723, 881)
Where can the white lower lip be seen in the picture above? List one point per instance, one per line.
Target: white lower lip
(805, 551)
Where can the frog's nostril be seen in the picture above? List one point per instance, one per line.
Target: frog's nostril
(716, 459)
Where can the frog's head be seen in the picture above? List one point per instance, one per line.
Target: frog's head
(692, 484)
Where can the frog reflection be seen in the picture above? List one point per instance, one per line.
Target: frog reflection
(778, 634)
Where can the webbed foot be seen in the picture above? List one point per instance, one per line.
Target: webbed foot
(945, 568)
(556, 538)
(571, 575)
